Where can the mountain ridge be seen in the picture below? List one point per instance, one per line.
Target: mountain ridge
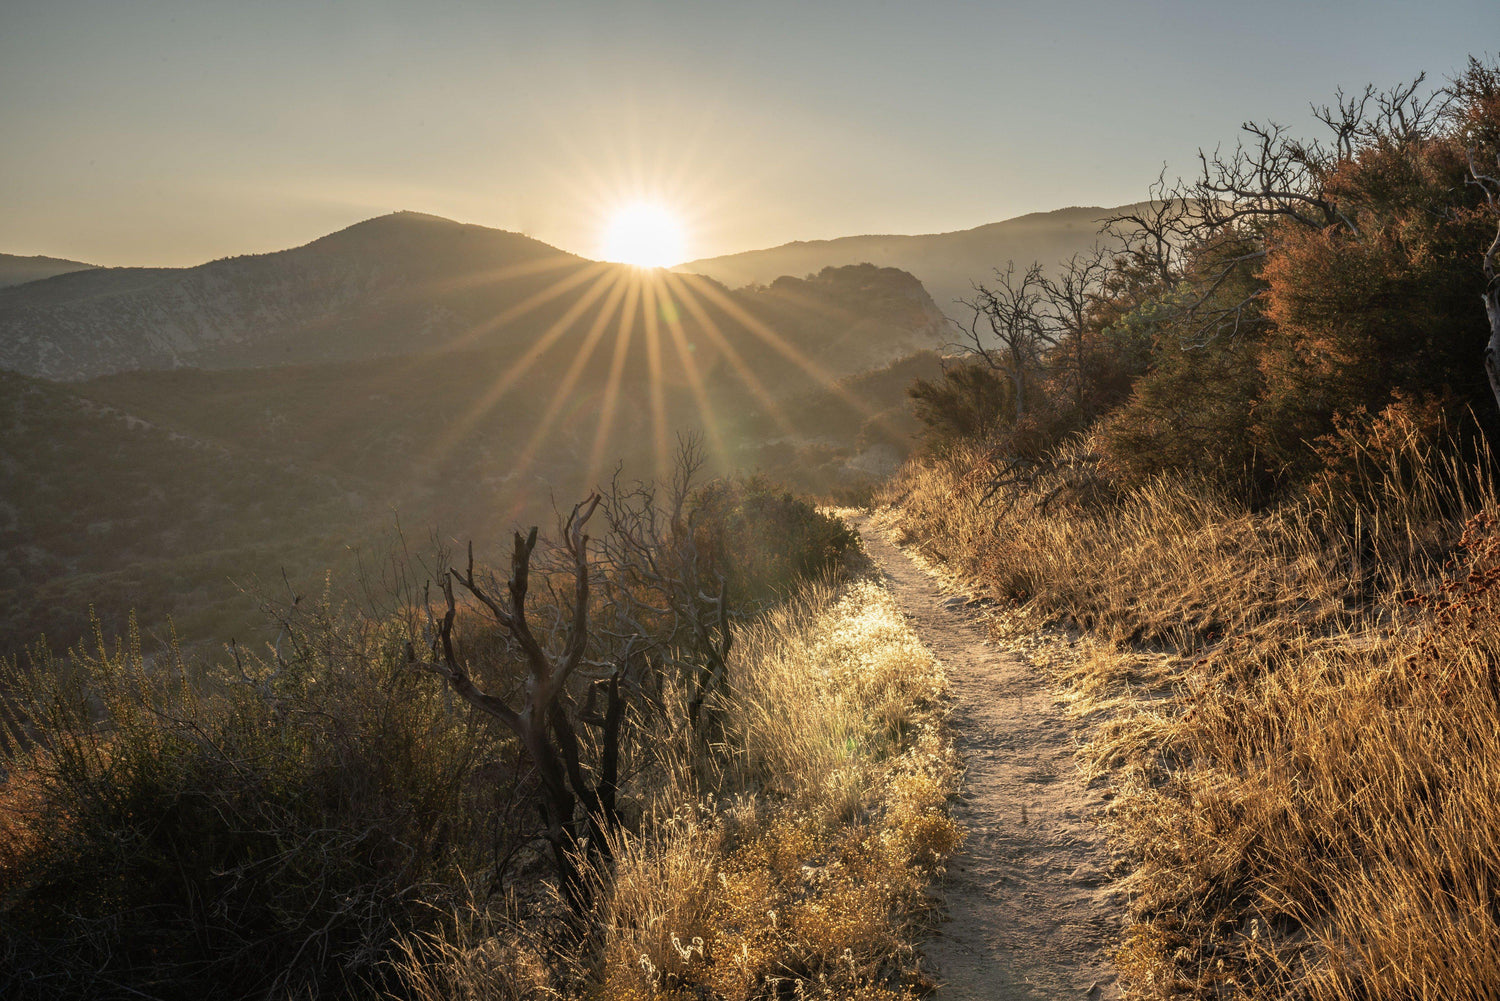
(409, 283)
(946, 263)
(18, 269)
(354, 292)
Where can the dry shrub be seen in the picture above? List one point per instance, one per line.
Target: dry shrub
(483, 954)
(1304, 741)
(808, 864)
(253, 828)
(1398, 444)
(790, 858)
(1172, 560)
(1337, 827)
(23, 801)
(825, 685)
(659, 906)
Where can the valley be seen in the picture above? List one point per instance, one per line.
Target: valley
(453, 381)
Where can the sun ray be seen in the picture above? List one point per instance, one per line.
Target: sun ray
(683, 285)
(562, 396)
(694, 378)
(616, 371)
(519, 309)
(656, 387)
(790, 352)
(521, 365)
(524, 269)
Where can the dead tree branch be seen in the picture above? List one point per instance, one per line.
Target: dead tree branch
(1490, 185)
(540, 723)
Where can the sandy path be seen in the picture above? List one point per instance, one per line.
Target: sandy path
(1029, 906)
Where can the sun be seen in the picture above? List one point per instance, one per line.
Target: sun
(644, 234)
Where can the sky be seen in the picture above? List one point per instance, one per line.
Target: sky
(170, 133)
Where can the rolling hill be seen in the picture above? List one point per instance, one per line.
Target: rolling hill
(17, 270)
(390, 285)
(946, 263)
(403, 284)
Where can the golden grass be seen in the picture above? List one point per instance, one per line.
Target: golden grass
(1303, 725)
(22, 800)
(790, 859)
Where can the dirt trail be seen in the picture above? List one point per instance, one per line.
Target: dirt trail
(1030, 908)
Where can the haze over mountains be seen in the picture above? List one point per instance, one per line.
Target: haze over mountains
(397, 284)
(947, 264)
(165, 430)
(17, 270)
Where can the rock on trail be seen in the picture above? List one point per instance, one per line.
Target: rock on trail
(1030, 910)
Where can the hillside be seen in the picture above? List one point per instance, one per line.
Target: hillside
(17, 270)
(946, 263)
(389, 285)
(164, 490)
(107, 511)
(404, 284)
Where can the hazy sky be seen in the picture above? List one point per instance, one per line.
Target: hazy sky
(172, 133)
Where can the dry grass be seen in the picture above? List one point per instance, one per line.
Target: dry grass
(1303, 725)
(790, 859)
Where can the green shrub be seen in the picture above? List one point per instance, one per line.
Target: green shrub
(764, 540)
(966, 404)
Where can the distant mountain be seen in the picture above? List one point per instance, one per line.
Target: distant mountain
(408, 283)
(16, 270)
(389, 285)
(947, 264)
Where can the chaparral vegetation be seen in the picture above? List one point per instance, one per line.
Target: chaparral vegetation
(1228, 473)
(1242, 483)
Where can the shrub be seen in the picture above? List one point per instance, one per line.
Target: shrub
(794, 863)
(809, 861)
(766, 541)
(966, 404)
(259, 827)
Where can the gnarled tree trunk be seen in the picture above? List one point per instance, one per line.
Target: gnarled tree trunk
(541, 724)
(1492, 309)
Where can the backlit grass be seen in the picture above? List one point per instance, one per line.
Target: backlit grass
(1301, 716)
(793, 854)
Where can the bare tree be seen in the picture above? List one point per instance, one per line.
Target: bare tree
(1068, 300)
(1164, 240)
(541, 722)
(1011, 310)
(645, 607)
(1152, 236)
(1490, 185)
(662, 587)
(1272, 175)
(1269, 179)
